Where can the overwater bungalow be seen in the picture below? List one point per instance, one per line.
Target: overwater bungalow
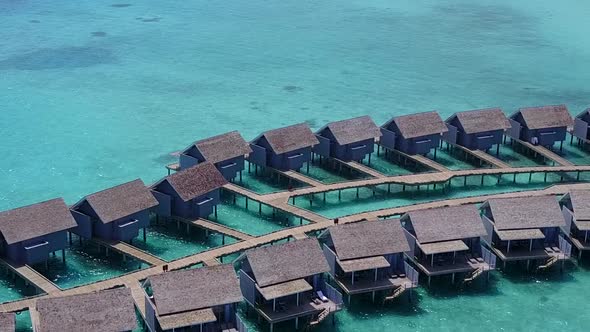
(285, 149)
(347, 140)
(413, 134)
(542, 126)
(447, 241)
(7, 322)
(108, 310)
(286, 282)
(202, 299)
(226, 151)
(191, 193)
(368, 257)
(581, 124)
(29, 234)
(575, 207)
(117, 213)
(526, 229)
(477, 129)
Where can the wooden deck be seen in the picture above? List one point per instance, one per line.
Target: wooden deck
(543, 151)
(301, 178)
(461, 266)
(173, 167)
(33, 277)
(483, 156)
(368, 285)
(219, 228)
(280, 201)
(131, 251)
(361, 168)
(427, 162)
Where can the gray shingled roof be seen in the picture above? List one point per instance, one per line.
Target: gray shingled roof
(109, 310)
(120, 201)
(285, 262)
(368, 238)
(525, 212)
(363, 264)
(35, 220)
(434, 248)
(483, 120)
(446, 223)
(353, 130)
(545, 116)
(581, 204)
(222, 147)
(419, 124)
(195, 289)
(7, 322)
(291, 138)
(195, 181)
(583, 113)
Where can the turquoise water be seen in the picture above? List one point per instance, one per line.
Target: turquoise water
(250, 220)
(329, 172)
(169, 242)
(390, 164)
(13, 289)
(515, 156)
(265, 182)
(95, 95)
(86, 264)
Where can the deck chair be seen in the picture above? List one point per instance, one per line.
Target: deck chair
(322, 296)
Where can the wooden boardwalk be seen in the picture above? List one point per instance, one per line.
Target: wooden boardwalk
(300, 236)
(131, 251)
(427, 162)
(173, 167)
(211, 262)
(301, 178)
(138, 297)
(361, 168)
(33, 277)
(219, 228)
(132, 279)
(419, 159)
(543, 151)
(483, 156)
(428, 179)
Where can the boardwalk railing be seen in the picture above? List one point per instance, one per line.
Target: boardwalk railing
(331, 258)
(411, 274)
(569, 219)
(565, 247)
(240, 326)
(331, 293)
(488, 257)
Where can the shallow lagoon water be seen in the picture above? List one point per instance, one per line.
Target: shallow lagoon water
(86, 264)
(106, 97)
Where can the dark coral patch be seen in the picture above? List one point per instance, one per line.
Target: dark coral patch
(151, 19)
(99, 34)
(121, 5)
(34, 21)
(292, 88)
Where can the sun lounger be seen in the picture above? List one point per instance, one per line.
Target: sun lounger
(322, 296)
